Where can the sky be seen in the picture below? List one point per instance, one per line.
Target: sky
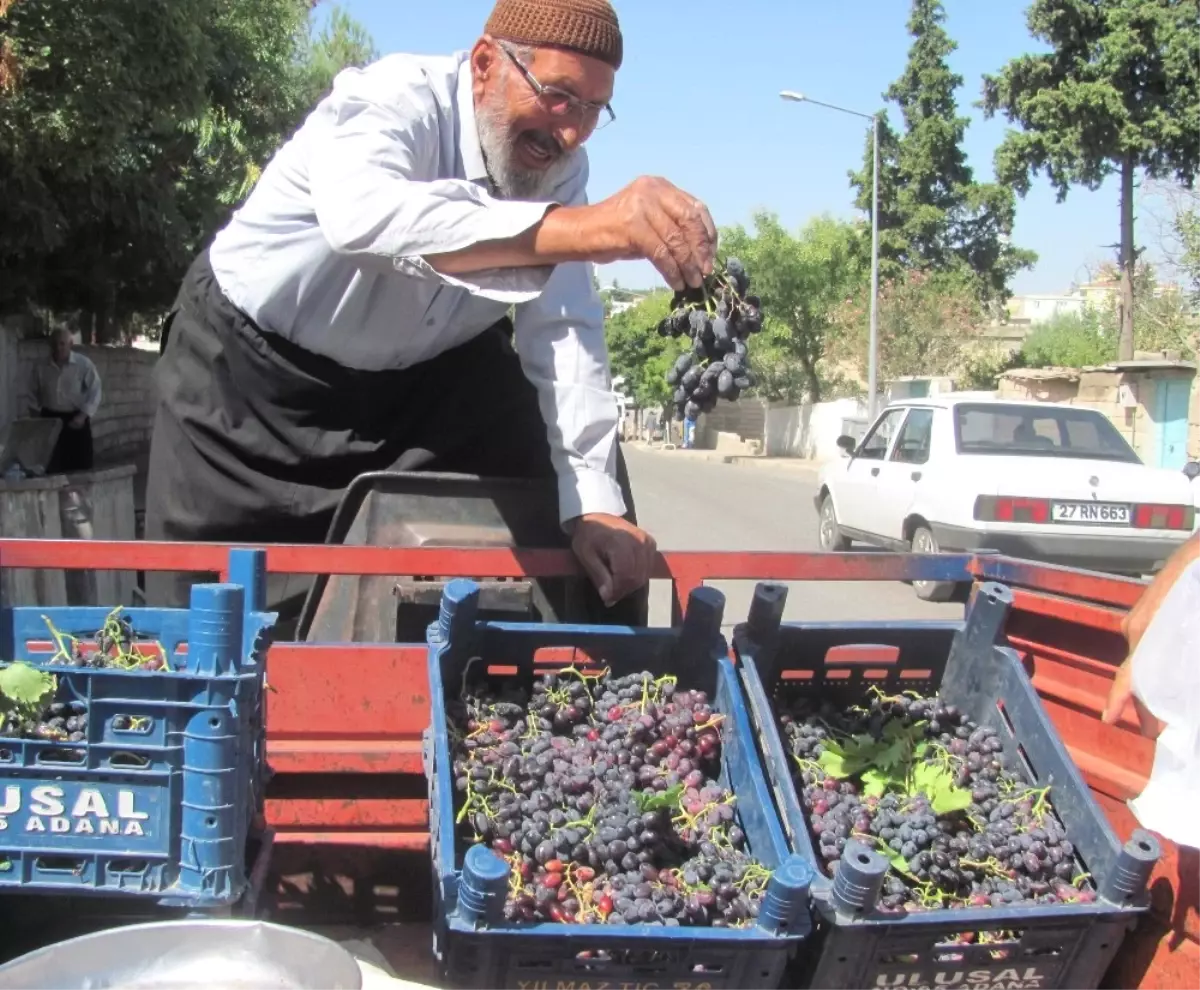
(697, 103)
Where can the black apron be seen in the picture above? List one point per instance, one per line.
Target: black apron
(255, 439)
(73, 449)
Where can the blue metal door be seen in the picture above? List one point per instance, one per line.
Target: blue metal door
(1171, 418)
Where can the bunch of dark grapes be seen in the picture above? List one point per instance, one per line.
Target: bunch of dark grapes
(116, 648)
(602, 794)
(1006, 846)
(57, 722)
(718, 319)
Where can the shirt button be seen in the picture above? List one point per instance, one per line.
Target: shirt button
(430, 322)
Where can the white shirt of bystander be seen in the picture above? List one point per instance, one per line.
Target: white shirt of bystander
(74, 387)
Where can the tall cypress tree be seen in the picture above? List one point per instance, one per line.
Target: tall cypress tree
(1119, 93)
(933, 215)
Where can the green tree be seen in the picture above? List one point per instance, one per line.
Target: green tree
(342, 42)
(933, 215)
(128, 131)
(88, 137)
(1119, 92)
(926, 322)
(636, 350)
(801, 279)
(1070, 340)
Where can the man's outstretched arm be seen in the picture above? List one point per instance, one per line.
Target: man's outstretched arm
(1138, 621)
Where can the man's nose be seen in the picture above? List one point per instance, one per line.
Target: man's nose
(570, 136)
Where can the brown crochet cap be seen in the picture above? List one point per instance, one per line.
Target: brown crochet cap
(586, 26)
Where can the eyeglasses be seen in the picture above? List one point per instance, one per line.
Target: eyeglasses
(560, 103)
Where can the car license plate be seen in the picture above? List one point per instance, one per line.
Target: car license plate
(1104, 513)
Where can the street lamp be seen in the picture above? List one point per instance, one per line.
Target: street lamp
(873, 353)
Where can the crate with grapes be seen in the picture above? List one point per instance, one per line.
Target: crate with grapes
(953, 838)
(598, 812)
(131, 745)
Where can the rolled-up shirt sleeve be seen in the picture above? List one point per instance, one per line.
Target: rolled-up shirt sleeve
(371, 201)
(91, 391)
(560, 340)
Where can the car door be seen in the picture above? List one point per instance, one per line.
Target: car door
(855, 499)
(902, 472)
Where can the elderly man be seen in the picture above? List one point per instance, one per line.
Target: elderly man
(354, 315)
(66, 386)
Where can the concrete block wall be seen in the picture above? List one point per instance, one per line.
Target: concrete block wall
(121, 430)
(747, 419)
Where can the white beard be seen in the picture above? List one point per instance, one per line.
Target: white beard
(510, 179)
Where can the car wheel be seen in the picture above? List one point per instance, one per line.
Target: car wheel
(924, 542)
(831, 538)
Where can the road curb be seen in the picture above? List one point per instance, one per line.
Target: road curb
(738, 460)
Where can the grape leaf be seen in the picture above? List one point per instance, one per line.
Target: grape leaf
(938, 785)
(899, 863)
(875, 782)
(848, 758)
(891, 755)
(25, 686)
(951, 799)
(837, 765)
(657, 800)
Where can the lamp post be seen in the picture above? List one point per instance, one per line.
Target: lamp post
(873, 350)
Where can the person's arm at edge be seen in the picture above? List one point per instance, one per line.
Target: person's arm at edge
(92, 390)
(1134, 627)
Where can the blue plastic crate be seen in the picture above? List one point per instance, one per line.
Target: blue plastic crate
(1045, 945)
(474, 946)
(159, 797)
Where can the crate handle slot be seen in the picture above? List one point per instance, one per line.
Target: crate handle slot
(59, 864)
(7, 755)
(128, 866)
(129, 761)
(140, 725)
(74, 757)
(564, 656)
(857, 654)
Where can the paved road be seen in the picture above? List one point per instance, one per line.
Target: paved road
(703, 505)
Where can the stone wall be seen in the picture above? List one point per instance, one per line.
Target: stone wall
(121, 431)
(747, 419)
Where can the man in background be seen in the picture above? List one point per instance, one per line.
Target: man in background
(66, 386)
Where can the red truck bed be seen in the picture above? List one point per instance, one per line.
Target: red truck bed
(348, 802)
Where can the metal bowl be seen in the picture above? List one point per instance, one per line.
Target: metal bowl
(181, 955)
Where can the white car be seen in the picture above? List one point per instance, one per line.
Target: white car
(1035, 480)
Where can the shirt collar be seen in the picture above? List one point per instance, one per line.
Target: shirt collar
(469, 148)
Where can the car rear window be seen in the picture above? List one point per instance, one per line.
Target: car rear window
(1028, 431)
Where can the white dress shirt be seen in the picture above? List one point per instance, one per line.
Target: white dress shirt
(75, 387)
(328, 252)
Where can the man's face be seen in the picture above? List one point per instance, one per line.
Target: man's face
(60, 348)
(528, 141)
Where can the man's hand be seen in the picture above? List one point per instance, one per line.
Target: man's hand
(652, 219)
(76, 422)
(616, 555)
(1120, 694)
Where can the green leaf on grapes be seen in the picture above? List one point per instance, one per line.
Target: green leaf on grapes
(657, 800)
(899, 863)
(937, 783)
(848, 758)
(25, 686)
(876, 782)
(950, 800)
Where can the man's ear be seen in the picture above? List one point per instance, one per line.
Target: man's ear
(484, 59)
